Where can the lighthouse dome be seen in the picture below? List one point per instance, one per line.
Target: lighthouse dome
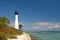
(16, 13)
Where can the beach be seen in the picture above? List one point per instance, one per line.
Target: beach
(24, 36)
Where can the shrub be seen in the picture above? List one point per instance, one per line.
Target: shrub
(2, 37)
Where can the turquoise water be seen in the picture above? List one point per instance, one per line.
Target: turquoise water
(47, 35)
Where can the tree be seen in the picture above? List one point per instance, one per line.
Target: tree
(20, 26)
(4, 20)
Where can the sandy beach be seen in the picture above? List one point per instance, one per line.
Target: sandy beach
(24, 36)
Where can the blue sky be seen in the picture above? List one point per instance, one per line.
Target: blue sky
(32, 12)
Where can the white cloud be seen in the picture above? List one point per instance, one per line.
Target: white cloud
(37, 27)
(46, 24)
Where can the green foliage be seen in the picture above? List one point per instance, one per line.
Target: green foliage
(4, 20)
(13, 31)
(3, 26)
(6, 31)
(2, 36)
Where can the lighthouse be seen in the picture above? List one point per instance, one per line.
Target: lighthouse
(16, 20)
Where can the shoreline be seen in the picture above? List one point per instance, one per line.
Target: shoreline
(32, 38)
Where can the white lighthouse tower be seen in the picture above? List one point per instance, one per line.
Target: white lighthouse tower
(16, 20)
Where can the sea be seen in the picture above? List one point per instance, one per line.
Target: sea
(46, 35)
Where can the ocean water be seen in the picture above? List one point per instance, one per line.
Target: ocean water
(46, 35)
